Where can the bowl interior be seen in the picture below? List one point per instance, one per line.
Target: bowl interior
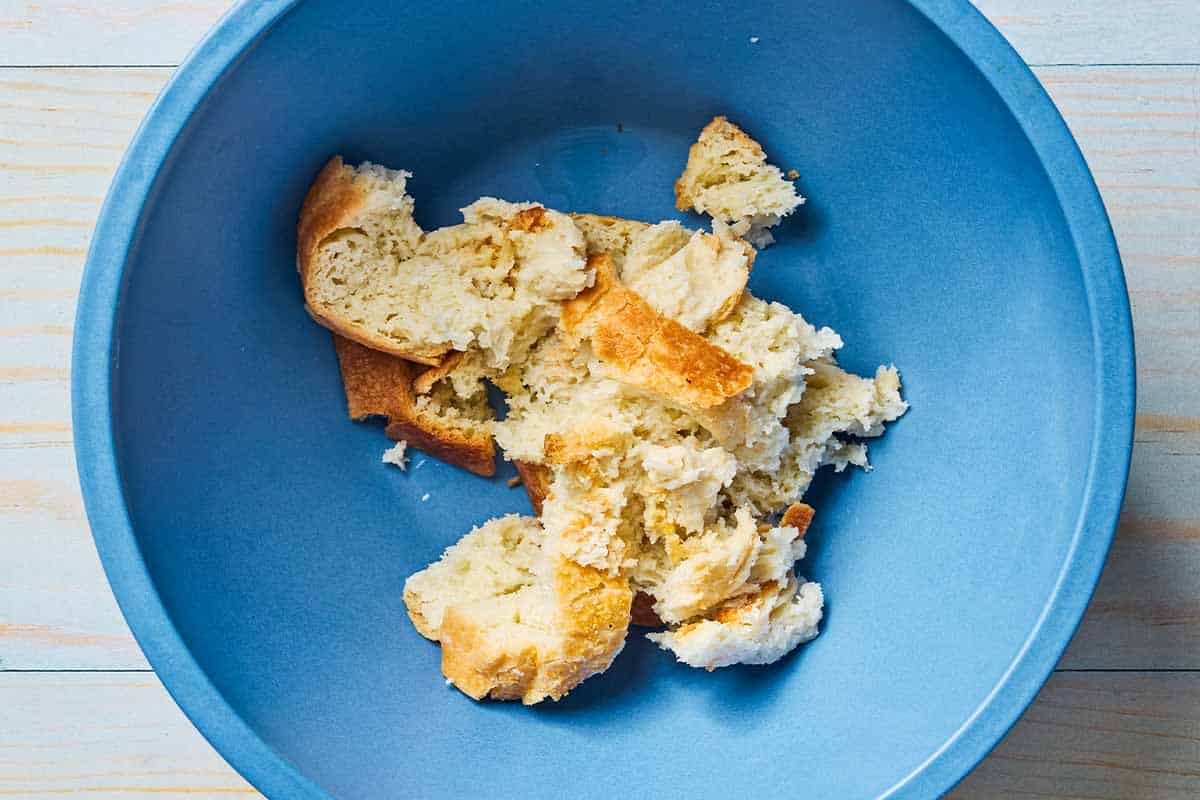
(932, 238)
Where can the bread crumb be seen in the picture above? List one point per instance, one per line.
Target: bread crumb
(424, 497)
(395, 455)
(514, 481)
(753, 40)
(792, 174)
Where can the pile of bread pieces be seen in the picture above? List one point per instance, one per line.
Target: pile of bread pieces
(664, 421)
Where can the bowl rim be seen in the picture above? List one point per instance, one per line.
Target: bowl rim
(95, 355)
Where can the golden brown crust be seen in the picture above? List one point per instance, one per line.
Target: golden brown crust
(479, 665)
(649, 350)
(593, 614)
(798, 516)
(331, 200)
(717, 126)
(474, 453)
(591, 621)
(378, 384)
(536, 478)
(331, 203)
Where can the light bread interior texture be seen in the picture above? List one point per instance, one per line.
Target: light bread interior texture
(665, 421)
(492, 284)
(515, 619)
(728, 178)
(679, 499)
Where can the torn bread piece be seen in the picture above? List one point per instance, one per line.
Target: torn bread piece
(758, 628)
(514, 618)
(834, 404)
(493, 283)
(454, 428)
(643, 348)
(728, 178)
(690, 576)
(693, 277)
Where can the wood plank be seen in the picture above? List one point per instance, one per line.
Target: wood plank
(62, 132)
(105, 736)
(1099, 736)
(1137, 128)
(1092, 735)
(75, 32)
(152, 32)
(1098, 31)
(56, 610)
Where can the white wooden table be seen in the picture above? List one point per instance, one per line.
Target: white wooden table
(80, 710)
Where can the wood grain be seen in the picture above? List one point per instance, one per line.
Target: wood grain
(1099, 736)
(1098, 32)
(152, 32)
(1089, 735)
(75, 32)
(110, 735)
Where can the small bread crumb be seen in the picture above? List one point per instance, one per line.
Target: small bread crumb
(424, 497)
(792, 174)
(753, 40)
(514, 481)
(395, 455)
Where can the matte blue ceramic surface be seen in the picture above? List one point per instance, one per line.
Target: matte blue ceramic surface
(258, 547)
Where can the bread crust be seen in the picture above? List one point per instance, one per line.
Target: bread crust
(591, 621)
(331, 204)
(648, 350)
(378, 384)
(473, 453)
(798, 516)
(536, 478)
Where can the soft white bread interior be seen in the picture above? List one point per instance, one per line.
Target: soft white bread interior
(493, 283)
(608, 235)
(514, 618)
(661, 417)
(728, 178)
(757, 628)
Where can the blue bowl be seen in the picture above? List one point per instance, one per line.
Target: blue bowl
(258, 547)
